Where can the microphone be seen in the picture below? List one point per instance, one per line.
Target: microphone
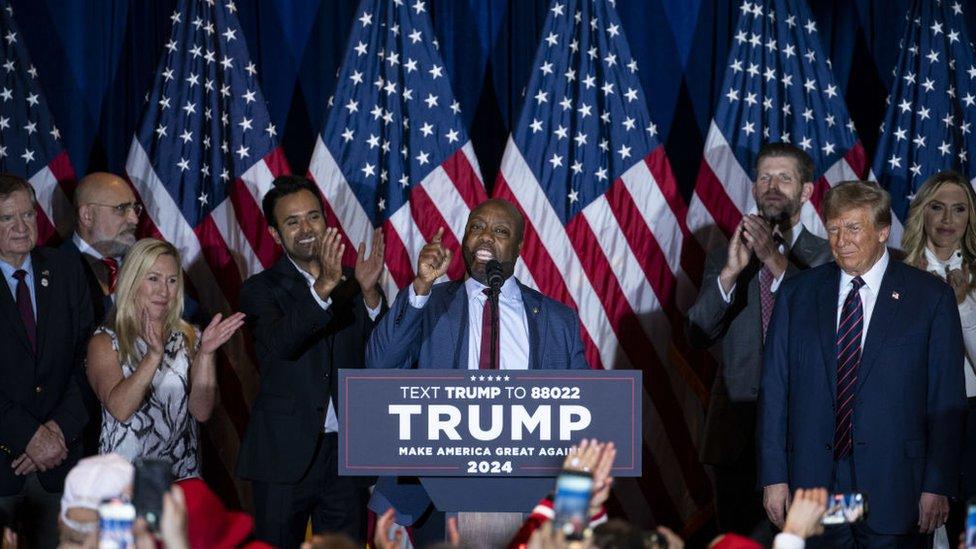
(493, 271)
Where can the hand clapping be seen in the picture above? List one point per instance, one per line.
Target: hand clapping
(219, 331)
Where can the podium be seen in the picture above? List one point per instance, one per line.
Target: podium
(481, 440)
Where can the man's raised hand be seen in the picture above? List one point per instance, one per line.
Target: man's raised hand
(432, 264)
(330, 262)
(370, 267)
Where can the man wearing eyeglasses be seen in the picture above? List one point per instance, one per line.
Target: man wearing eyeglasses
(107, 214)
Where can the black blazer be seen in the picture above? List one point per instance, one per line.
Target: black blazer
(299, 347)
(33, 389)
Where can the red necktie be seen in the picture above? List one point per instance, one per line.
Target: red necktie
(26, 308)
(765, 297)
(113, 272)
(484, 361)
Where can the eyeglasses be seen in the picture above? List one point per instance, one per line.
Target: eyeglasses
(123, 208)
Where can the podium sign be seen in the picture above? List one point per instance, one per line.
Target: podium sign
(498, 423)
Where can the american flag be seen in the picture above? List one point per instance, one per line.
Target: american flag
(394, 152)
(30, 144)
(778, 87)
(604, 234)
(928, 125)
(203, 155)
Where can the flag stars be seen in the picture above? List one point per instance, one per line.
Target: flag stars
(242, 152)
(806, 144)
(561, 132)
(601, 174)
(203, 199)
(552, 39)
(9, 65)
(183, 164)
(769, 74)
(452, 136)
(7, 94)
(251, 69)
(811, 26)
(245, 124)
(969, 99)
(828, 148)
(422, 158)
(427, 129)
(923, 113)
(368, 170)
(607, 88)
(431, 100)
(415, 36)
(541, 97)
(808, 114)
(160, 131)
(919, 140)
(631, 95)
(11, 37)
(28, 155)
(580, 139)
(632, 65)
(436, 71)
(573, 195)
(31, 127)
(348, 135)
(629, 123)
(419, 7)
(556, 161)
(749, 128)
(750, 99)
(933, 56)
(584, 110)
(186, 136)
(366, 19)
(894, 161)
(624, 152)
(733, 95)
(916, 169)
(230, 34)
(456, 107)
(536, 125)
(945, 148)
(753, 69)
(936, 28)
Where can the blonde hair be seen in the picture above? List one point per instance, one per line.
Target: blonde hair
(125, 319)
(855, 194)
(913, 240)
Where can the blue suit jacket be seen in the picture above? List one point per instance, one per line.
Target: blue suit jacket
(910, 399)
(436, 336)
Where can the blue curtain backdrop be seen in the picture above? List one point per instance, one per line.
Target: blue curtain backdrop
(96, 59)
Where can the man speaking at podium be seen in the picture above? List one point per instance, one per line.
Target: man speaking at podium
(447, 325)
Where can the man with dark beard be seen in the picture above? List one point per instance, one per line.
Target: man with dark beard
(734, 307)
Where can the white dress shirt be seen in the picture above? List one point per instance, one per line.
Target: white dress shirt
(793, 235)
(331, 419)
(869, 292)
(513, 325)
(8, 271)
(85, 248)
(967, 313)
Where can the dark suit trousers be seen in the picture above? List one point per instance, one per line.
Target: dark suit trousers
(334, 503)
(738, 501)
(33, 514)
(859, 535)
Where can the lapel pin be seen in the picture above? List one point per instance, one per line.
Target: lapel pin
(535, 310)
(44, 274)
(44, 282)
(895, 295)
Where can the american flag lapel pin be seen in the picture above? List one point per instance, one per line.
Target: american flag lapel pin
(44, 275)
(895, 295)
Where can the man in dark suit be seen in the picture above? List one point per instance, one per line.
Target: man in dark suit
(862, 384)
(45, 322)
(734, 307)
(309, 317)
(444, 325)
(107, 214)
